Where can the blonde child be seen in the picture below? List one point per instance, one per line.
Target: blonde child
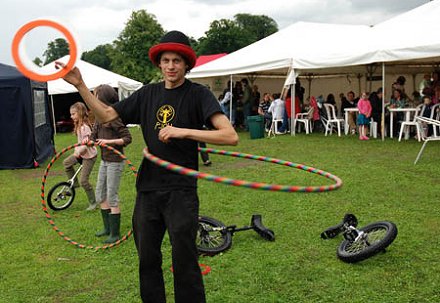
(82, 154)
(363, 119)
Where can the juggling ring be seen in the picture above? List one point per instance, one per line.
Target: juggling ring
(45, 209)
(243, 183)
(73, 51)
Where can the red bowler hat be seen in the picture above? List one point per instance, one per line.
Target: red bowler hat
(173, 41)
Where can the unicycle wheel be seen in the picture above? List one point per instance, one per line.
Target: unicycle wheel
(375, 238)
(61, 196)
(212, 236)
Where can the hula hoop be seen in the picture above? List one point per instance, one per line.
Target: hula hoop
(49, 217)
(73, 51)
(243, 183)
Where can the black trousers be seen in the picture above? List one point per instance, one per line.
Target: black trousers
(177, 212)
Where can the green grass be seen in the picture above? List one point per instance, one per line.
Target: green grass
(380, 183)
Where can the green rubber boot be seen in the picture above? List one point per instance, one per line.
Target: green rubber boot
(92, 200)
(105, 213)
(115, 224)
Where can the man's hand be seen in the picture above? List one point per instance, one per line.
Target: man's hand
(73, 77)
(169, 132)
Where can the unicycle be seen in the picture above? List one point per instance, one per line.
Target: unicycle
(363, 243)
(214, 237)
(62, 194)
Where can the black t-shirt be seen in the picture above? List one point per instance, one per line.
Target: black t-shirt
(153, 107)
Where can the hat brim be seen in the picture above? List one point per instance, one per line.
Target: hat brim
(185, 50)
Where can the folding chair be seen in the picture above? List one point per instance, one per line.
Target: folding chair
(427, 121)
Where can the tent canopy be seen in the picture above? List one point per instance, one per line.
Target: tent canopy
(92, 75)
(208, 58)
(336, 48)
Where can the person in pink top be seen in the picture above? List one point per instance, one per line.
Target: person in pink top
(363, 119)
(82, 154)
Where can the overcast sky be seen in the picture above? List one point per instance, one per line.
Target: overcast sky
(96, 22)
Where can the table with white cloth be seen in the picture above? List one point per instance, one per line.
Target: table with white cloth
(347, 111)
(408, 111)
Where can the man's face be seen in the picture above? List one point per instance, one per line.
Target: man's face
(173, 68)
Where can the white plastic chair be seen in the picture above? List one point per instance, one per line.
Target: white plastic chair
(413, 122)
(427, 121)
(306, 119)
(274, 127)
(435, 114)
(332, 119)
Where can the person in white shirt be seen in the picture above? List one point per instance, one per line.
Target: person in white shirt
(277, 108)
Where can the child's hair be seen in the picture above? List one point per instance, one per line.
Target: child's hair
(106, 94)
(83, 116)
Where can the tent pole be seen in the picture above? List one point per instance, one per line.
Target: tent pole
(292, 108)
(382, 124)
(53, 115)
(230, 102)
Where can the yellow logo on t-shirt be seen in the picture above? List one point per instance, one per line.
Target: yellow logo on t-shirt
(164, 115)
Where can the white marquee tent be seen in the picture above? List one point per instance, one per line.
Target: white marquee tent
(328, 48)
(406, 42)
(92, 75)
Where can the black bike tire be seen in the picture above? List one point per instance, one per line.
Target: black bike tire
(53, 189)
(226, 237)
(374, 248)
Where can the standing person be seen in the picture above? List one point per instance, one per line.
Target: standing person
(363, 119)
(116, 135)
(247, 102)
(255, 99)
(85, 155)
(225, 104)
(376, 106)
(171, 114)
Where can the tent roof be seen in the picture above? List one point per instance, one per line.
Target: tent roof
(92, 75)
(208, 58)
(336, 48)
(8, 72)
(303, 45)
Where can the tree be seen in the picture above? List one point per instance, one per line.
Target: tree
(100, 56)
(227, 36)
(55, 50)
(37, 61)
(258, 26)
(130, 53)
(223, 36)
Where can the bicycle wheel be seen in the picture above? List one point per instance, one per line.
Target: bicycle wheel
(377, 236)
(61, 196)
(212, 236)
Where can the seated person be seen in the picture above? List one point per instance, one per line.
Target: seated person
(263, 110)
(350, 102)
(397, 101)
(277, 109)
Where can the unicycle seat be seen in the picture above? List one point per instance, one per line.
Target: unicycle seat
(257, 225)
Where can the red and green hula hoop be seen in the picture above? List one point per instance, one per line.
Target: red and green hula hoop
(243, 183)
(45, 208)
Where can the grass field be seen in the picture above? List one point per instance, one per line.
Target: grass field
(380, 183)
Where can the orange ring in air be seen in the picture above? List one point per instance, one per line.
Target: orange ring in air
(31, 74)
